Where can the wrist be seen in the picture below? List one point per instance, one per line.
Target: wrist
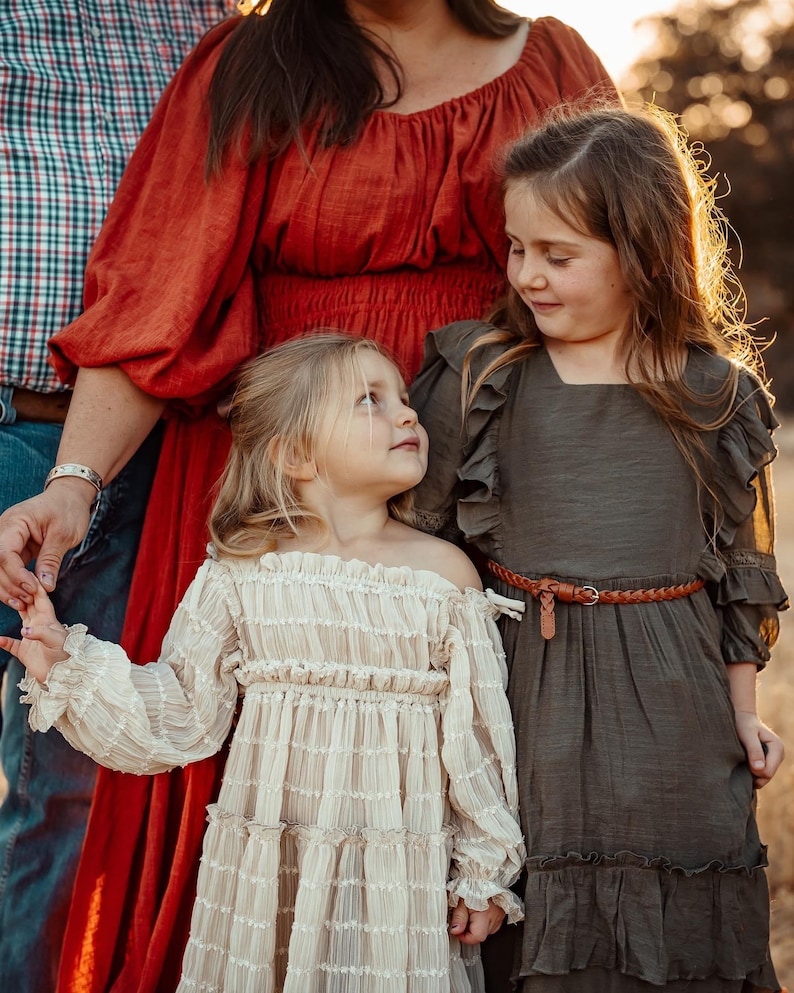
(90, 481)
(71, 487)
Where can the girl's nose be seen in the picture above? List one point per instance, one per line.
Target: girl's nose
(408, 415)
(531, 276)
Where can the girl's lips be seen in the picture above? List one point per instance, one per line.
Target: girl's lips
(409, 443)
(542, 305)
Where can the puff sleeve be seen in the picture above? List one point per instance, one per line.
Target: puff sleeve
(169, 293)
(148, 718)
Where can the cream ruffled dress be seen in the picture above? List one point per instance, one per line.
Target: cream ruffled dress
(370, 781)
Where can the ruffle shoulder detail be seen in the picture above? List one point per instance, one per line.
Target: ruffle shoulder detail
(739, 560)
(744, 444)
(478, 510)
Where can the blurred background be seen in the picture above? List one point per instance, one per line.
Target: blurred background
(726, 67)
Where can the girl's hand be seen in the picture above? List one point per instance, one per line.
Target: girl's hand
(41, 644)
(763, 747)
(473, 926)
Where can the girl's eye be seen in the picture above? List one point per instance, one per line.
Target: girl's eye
(554, 260)
(368, 400)
(516, 250)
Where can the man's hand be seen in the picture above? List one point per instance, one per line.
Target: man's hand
(43, 528)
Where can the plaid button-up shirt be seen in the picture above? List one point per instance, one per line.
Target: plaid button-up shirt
(78, 82)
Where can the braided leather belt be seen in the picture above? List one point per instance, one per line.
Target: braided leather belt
(548, 590)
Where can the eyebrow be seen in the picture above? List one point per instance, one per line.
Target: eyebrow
(380, 383)
(545, 241)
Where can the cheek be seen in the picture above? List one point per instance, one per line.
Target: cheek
(513, 270)
(424, 443)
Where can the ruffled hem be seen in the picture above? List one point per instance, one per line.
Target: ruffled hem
(476, 893)
(292, 904)
(647, 917)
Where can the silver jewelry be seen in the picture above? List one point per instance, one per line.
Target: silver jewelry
(82, 472)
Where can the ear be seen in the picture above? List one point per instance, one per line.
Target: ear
(283, 454)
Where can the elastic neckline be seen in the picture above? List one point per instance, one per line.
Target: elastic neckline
(499, 80)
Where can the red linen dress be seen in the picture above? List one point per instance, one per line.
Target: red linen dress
(396, 234)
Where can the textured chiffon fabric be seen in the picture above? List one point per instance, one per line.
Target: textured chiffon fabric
(374, 745)
(644, 866)
(400, 232)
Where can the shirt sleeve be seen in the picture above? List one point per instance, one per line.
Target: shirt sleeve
(478, 752)
(154, 717)
(579, 73)
(169, 292)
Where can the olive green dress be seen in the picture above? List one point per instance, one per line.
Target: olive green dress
(644, 863)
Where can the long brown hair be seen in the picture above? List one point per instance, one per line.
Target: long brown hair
(629, 178)
(276, 414)
(307, 62)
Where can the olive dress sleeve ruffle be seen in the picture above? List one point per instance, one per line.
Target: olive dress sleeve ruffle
(460, 497)
(738, 560)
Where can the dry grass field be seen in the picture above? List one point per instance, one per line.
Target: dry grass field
(776, 801)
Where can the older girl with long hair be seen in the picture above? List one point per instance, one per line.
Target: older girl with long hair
(612, 466)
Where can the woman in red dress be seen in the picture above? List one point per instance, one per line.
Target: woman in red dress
(370, 205)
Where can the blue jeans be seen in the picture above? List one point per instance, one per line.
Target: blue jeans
(43, 816)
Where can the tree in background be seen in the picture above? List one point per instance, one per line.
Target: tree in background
(728, 70)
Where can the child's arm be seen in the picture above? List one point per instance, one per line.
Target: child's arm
(747, 591)
(478, 752)
(763, 747)
(139, 719)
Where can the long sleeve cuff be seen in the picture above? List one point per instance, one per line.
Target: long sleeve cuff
(475, 892)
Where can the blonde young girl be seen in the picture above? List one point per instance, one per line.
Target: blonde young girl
(612, 468)
(370, 780)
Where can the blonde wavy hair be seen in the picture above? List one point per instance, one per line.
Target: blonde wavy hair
(629, 178)
(276, 417)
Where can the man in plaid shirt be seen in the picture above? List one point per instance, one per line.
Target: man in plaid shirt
(78, 82)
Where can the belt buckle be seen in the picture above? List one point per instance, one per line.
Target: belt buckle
(595, 596)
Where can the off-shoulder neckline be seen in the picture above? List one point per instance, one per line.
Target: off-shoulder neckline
(331, 563)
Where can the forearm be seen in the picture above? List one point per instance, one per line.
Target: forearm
(109, 417)
(742, 678)
(138, 719)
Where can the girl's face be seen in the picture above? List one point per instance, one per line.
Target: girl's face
(572, 282)
(372, 443)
